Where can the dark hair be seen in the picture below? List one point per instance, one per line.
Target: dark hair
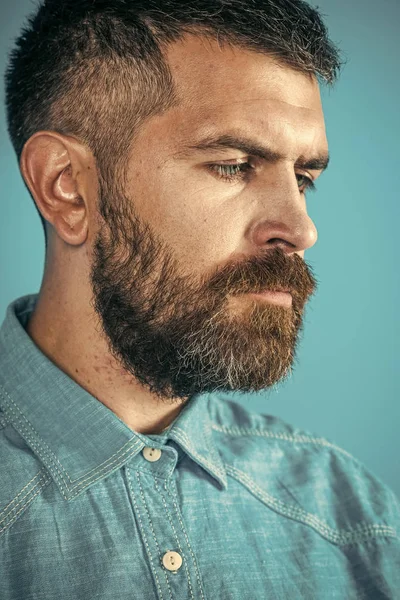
(94, 69)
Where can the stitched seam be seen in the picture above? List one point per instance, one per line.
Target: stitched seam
(185, 440)
(41, 474)
(36, 446)
(72, 481)
(51, 456)
(187, 541)
(144, 534)
(3, 421)
(152, 530)
(279, 436)
(105, 464)
(93, 479)
(41, 485)
(350, 534)
(176, 537)
(37, 484)
(366, 531)
(299, 514)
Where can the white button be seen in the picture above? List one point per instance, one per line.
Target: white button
(151, 454)
(172, 561)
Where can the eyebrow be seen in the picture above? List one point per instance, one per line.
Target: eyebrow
(248, 146)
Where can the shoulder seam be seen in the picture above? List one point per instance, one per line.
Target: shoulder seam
(3, 421)
(29, 492)
(304, 439)
(361, 532)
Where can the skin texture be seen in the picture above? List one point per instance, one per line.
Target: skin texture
(146, 304)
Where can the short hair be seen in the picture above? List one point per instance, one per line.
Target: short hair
(95, 69)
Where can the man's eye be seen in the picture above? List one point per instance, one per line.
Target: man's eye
(234, 172)
(306, 183)
(238, 172)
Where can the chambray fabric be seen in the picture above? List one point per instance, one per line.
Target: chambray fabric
(256, 508)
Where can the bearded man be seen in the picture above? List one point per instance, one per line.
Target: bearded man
(168, 147)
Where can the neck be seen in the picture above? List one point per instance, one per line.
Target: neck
(66, 329)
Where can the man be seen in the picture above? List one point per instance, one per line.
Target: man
(168, 148)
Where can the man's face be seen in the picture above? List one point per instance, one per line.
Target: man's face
(197, 229)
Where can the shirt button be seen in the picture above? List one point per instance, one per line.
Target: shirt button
(151, 454)
(172, 561)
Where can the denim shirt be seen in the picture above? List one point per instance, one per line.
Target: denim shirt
(226, 504)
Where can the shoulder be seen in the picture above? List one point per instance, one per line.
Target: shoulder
(22, 476)
(303, 475)
(233, 420)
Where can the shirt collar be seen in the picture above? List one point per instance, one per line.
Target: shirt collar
(79, 439)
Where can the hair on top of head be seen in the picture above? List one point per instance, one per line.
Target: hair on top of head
(95, 69)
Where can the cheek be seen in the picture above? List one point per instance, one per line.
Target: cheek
(202, 240)
(205, 227)
(202, 228)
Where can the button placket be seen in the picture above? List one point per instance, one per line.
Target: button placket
(164, 536)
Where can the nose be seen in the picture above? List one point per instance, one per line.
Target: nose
(282, 219)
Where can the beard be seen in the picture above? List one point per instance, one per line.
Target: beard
(179, 334)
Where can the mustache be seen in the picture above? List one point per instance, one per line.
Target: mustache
(274, 271)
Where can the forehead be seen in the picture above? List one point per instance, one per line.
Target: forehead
(225, 87)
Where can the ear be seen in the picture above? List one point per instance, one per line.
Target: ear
(56, 168)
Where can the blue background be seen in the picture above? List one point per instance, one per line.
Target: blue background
(345, 385)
